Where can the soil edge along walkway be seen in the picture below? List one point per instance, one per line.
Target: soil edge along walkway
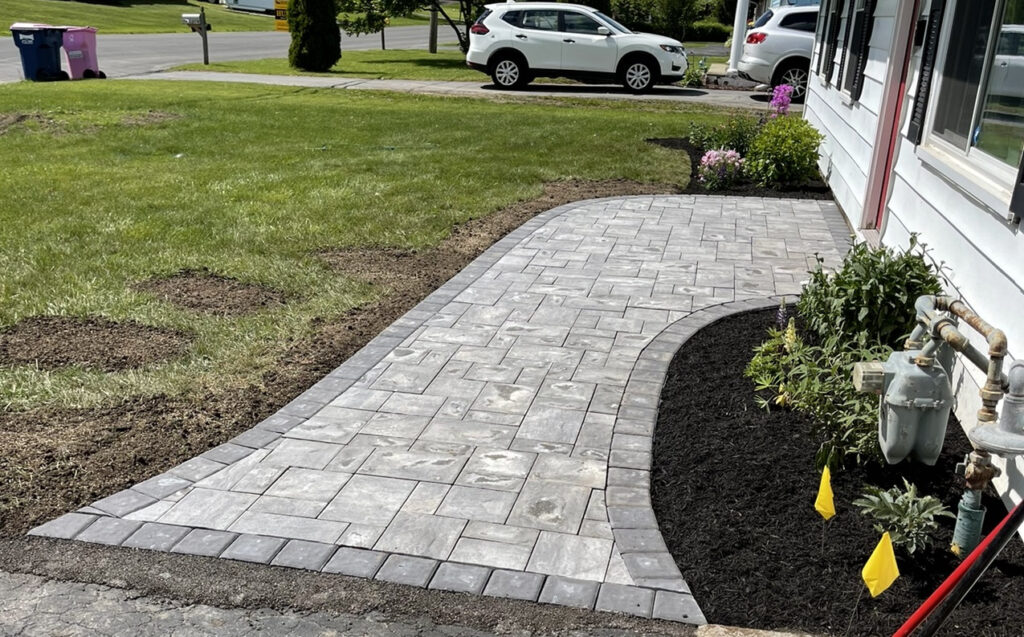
(496, 439)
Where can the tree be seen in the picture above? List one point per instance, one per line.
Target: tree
(316, 40)
(370, 16)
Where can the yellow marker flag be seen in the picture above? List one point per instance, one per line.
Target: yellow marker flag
(880, 571)
(824, 503)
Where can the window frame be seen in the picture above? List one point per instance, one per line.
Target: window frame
(995, 184)
(973, 159)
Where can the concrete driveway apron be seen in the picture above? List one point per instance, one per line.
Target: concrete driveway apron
(497, 438)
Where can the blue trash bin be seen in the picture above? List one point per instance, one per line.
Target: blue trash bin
(39, 45)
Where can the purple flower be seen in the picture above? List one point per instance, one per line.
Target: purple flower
(782, 96)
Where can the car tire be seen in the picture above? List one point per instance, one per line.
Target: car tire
(509, 72)
(637, 74)
(795, 74)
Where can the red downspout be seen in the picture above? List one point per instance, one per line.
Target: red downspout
(894, 134)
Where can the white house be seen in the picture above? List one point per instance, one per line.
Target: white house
(922, 106)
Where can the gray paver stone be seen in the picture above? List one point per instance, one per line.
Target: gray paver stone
(677, 607)
(204, 542)
(403, 569)
(639, 540)
(647, 565)
(161, 486)
(111, 531)
(355, 562)
(156, 537)
(124, 502)
(462, 578)
(254, 548)
(631, 600)
(65, 527)
(302, 554)
(569, 592)
(227, 453)
(515, 585)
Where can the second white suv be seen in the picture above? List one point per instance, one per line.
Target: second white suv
(777, 49)
(516, 42)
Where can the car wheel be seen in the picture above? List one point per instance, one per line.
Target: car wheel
(509, 72)
(637, 75)
(796, 76)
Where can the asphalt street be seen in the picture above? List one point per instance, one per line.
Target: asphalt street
(123, 55)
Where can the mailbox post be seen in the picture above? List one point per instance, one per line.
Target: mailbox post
(197, 22)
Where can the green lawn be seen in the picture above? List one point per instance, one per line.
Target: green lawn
(145, 16)
(447, 66)
(110, 183)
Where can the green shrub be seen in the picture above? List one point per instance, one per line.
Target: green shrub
(316, 40)
(909, 518)
(707, 31)
(785, 152)
(736, 133)
(872, 293)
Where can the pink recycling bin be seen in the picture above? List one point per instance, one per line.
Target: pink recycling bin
(80, 52)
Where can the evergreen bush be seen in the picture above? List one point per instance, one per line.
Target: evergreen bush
(316, 39)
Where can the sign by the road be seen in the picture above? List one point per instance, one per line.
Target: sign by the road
(280, 15)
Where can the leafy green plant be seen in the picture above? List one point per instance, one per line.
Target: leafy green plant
(736, 133)
(694, 76)
(908, 517)
(785, 152)
(873, 293)
(815, 380)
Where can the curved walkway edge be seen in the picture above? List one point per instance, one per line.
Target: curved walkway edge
(496, 439)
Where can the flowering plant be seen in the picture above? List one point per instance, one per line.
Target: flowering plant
(719, 169)
(782, 96)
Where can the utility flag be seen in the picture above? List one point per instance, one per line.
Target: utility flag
(824, 503)
(880, 571)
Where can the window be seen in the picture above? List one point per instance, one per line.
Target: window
(805, 21)
(979, 107)
(541, 19)
(579, 23)
(512, 17)
(763, 20)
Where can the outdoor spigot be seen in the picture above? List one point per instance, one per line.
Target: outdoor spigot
(977, 470)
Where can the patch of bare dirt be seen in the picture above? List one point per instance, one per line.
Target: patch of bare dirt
(204, 291)
(9, 121)
(56, 460)
(54, 342)
(149, 117)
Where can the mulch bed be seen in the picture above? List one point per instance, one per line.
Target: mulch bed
(53, 342)
(734, 488)
(814, 190)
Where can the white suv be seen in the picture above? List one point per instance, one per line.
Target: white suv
(777, 49)
(516, 42)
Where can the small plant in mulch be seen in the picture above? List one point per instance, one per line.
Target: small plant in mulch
(720, 169)
(909, 518)
(696, 74)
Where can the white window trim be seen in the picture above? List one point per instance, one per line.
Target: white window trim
(975, 173)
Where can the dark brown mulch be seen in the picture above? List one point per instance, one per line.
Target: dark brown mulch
(734, 489)
(814, 190)
(53, 342)
(204, 291)
(55, 460)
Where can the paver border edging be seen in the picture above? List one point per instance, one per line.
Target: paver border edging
(628, 492)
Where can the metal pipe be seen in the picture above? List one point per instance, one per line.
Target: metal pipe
(928, 309)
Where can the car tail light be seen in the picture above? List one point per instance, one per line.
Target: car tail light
(757, 38)
(479, 29)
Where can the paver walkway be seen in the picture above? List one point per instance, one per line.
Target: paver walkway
(496, 439)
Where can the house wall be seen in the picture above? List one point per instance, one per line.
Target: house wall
(982, 255)
(850, 127)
